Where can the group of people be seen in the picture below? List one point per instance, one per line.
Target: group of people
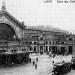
(35, 63)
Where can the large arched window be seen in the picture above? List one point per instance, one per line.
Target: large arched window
(6, 32)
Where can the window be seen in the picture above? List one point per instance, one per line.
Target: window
(41, 38)
(49, 42)
(26, 42)
(13, 50)
(34, 48)
(46, 42)
(23, 49)
(34, 37)
(2, 51)
(56, 42)
(70, 39)
(30, 48)
(62, 42)
(30, 42)
(35, 43)
(53, 42)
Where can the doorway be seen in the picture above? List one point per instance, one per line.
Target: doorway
(63, 50)
(70, 49)
(34, 48)
(41, 49)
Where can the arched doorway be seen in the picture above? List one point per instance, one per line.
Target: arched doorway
(70, 49)
(63, 50)
(7, 32)
(54, 49)
(41, 49)
(46, 49)
(34, 48)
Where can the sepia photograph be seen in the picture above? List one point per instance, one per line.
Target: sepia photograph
(37, 37)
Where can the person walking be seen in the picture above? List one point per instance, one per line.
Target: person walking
(37, 59)
(30, 60)
(53, 55)
(35, 65)
(53, 62)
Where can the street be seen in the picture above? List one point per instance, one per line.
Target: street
(44, 66)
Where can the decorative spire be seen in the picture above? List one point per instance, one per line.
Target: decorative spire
(3, 5)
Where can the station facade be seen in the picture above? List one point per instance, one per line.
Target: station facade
(16, 37)
(47, 41)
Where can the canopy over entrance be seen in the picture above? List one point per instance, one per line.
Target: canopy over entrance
(6, 32)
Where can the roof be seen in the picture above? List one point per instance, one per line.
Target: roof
(4, 12)
(59, 32)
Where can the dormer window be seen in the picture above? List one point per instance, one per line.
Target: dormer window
(70, 39)
(41, 38)
(46, 42)
(49, 42)
(35, 42)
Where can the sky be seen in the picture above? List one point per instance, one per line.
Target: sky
(36, 12)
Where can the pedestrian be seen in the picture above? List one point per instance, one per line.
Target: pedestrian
(53, 55)
(37, 59)
(33, 63)
(30, 60)
(53, 62)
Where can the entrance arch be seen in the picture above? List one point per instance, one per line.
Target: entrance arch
(70, 49)
(41, 49)
(6, 32)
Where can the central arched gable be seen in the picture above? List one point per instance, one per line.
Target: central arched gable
(6, 18)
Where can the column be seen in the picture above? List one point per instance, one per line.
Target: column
(73, 50)
(66, 50)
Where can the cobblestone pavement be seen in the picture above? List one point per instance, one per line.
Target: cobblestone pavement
(44, 66)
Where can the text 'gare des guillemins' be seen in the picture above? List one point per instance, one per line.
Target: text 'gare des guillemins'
(60, 1)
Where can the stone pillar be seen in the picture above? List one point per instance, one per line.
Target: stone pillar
(43, 48)
(73, 50)
(39, 48)
(66, 49)
(48, 48)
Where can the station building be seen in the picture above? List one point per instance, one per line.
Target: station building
(16, 37)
